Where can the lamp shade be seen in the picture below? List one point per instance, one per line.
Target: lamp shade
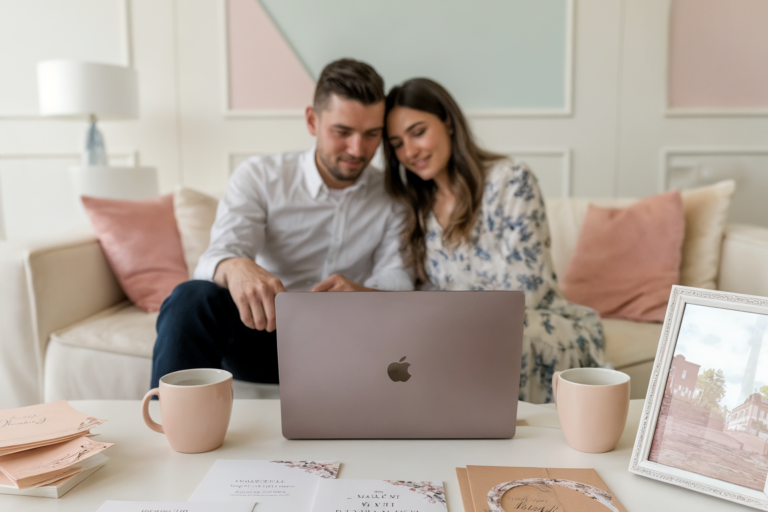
(72, 89)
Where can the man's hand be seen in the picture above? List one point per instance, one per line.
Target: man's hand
(253, 289)
(339, 283)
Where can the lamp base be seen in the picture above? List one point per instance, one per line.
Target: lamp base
(95, 153)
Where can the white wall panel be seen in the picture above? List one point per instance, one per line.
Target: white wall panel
(609, 146)
(695, 167)
(152, 45)
(645, 129)
(35, 185)
(35, 30)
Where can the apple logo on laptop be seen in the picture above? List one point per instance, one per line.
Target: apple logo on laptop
(398, 372)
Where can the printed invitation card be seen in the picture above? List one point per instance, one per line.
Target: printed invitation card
(166, 506)
(507, 489)
(379, 496)
(275, 485)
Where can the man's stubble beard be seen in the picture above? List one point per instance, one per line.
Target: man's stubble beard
(335, 171)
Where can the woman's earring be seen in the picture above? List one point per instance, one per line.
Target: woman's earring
(403, 177)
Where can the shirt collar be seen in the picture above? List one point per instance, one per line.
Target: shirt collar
(315, 182)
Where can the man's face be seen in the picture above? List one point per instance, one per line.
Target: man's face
(348, 134)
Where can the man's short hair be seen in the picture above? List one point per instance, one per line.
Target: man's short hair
(350, 79)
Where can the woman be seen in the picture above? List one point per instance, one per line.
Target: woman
(476, 221)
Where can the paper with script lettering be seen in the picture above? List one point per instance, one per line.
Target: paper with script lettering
(275, 485)
(41, 425)
(380, 495)
(57, 487)
(49, 463)
(508, 489)
(166, 506)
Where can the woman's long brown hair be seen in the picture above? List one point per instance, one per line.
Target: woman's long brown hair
(466, 172)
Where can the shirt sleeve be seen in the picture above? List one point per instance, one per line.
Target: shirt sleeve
(241, 217)
(389, 272)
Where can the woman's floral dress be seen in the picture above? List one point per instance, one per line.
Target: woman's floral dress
(509, 250)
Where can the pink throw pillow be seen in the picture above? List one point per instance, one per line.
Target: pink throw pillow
(142, 244)
(627, 259)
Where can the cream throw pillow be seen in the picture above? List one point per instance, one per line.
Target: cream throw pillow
(195, 213)
(706, 213)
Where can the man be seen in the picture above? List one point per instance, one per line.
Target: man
(318, 220)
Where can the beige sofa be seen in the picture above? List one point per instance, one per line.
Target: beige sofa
(68, 332)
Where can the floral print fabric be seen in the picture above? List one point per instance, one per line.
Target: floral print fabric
(509, 250)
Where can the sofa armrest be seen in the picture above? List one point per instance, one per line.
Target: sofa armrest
(744, 260)
(48, 284)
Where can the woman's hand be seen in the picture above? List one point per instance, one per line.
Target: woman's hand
(339, 283)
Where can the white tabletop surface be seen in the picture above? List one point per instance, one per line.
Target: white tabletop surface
(143, 467)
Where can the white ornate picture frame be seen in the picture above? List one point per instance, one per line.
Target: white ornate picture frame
(680, 389)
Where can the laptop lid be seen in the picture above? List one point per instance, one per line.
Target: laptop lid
(399, 364)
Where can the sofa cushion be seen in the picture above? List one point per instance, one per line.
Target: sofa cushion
(706, 212)
(195, 213)
(566, 218)
(706, 209)
(124, 329)
(142, 244)
(80, 373)
(121, 329)
(630, 343)
(627, 259)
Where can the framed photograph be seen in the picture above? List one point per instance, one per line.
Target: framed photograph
(705, 421)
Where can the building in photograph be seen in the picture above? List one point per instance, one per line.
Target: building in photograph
(755, 345)
(682, 377)
(751, 417)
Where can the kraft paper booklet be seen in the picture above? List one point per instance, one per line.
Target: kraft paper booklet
(275, 485)
(379, 496)
(166, 506)
(31, 427)
(508, 489)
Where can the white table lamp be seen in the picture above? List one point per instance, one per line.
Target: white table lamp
(74, 90)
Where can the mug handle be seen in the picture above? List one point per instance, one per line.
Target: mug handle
(554, 386)
(145, 411)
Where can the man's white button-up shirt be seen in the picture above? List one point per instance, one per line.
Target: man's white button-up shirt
(278, 211)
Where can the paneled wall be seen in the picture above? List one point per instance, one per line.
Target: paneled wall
(615, 131)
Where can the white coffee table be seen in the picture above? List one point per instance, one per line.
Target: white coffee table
(143, 467)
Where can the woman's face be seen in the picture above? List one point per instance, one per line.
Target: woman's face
(421, 141)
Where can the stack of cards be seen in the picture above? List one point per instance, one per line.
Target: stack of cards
(47, 446)
(499, 489)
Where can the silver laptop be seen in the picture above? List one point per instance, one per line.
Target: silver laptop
(399, 364)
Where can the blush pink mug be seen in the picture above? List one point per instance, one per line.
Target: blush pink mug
(195, 408)
(592, 405)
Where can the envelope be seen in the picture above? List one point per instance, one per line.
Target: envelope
(49, 463)
(31, 427)
(545, 489)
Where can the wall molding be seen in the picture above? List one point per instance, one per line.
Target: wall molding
(131, 156)
(713, 112)
(127, 58)
(564, 153)
(667, 153)
(566, 171)
(491, 113)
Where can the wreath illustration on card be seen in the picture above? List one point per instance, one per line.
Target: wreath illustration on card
(599, 495)
(321, 469)
(433, 493)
